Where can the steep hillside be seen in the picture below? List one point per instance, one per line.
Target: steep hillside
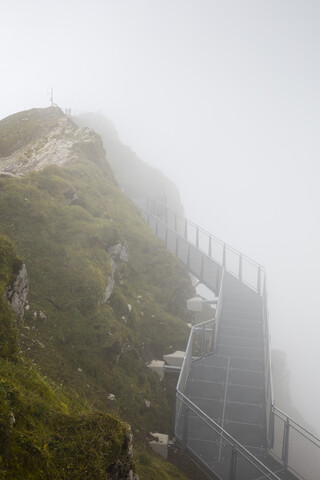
(137, 179)
(105, 297)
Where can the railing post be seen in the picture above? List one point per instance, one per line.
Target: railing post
(203, 341)
(202, 268)
(176, 222)
(177, 246)
(166, 235)
(186, 229)
(271, 429)
(259, 280)
(185, 428)
(212, 337)
(197, 237)
(210, 247)
(188, 258)
(233, 464)
(224, 256)
(285, 446)
(240, 267)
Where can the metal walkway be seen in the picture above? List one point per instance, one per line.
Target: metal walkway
(225, 415)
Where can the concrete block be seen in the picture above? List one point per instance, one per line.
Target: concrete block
(159, 444)
(174, 359)
(157, 367)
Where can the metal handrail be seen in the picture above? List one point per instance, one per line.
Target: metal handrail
(217, 239)
(268, 365)
(279, 434)
(265, 471)
(226, 248)
(297, 424)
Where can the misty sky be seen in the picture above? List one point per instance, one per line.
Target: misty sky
(222, 96)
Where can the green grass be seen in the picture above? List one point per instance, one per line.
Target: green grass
(84, 350)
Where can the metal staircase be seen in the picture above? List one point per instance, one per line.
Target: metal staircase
(225, 415)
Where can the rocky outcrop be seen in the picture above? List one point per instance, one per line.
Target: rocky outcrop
(119, 470)
(117, 254)
(54, 141)
(17, 292)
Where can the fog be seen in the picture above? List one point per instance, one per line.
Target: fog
(223, 97)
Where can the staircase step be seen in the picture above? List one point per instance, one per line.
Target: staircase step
(246, 378)
(212, 390)
(247, 434)
(245, 394)
(247, 364)
(235, 298)
(240, 341)
(236, 351)
(241, 313)
(247, 413)
(213, 408)
(208, 373)
(240, 332)
(242, 323)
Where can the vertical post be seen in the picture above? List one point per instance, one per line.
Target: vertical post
(186, 229)
(203, 340)
(240, 267)
(210, 247)
(213, 336)
(177, 245)
(259, 280)
(202, 268)
(285, 446)
(224, 256)
(185, 427)
(176, 222)
(271, 429)
(197, 237)
(166, 236)
(233, 464)
(188, 259)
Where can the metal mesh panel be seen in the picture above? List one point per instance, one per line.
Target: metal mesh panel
(171, 240)
(232, 262)
(278, 432)
(217, 251)
(203, 340)
(192, 233)
(250, 273)
(161, 231)
(296, 448)
(183, 250)
(211, 274)
(152, 222)
(204, 241)
(195, 262)
(303, 454)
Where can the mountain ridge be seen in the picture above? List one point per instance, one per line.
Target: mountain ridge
(63, 218)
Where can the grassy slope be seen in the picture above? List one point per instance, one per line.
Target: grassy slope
(88, 349)
(38, 420)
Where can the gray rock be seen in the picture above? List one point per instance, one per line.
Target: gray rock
(17, 292)
(118, 253)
